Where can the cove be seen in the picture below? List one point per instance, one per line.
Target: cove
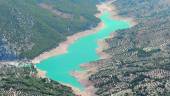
(82, 51)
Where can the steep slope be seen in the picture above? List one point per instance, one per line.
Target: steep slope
(30, 27)
(140, 56)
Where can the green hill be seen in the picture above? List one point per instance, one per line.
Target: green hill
(29, 27)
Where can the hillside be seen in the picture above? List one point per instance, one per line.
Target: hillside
(30, 27)
(140, 56)
(23, 81)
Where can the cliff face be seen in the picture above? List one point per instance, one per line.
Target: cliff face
(28, 28)
(140, 55)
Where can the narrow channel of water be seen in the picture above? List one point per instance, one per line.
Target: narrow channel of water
(81, 51)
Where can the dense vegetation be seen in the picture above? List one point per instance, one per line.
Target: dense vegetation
(29, 27)
(22, 81)
(140, 55)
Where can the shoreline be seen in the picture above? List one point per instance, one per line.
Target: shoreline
(63, 46)
(114, 12)
(90, 68)
(82, 76)
(62, 49)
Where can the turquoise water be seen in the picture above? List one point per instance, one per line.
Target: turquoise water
(81, 51)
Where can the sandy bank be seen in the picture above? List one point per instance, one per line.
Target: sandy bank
(83, 77)
(63, 46)
(61, 49)
(108, 6)
(41, 74)
(91, 68)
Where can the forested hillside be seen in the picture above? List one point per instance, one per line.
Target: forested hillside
(140, 62)
(30, 27)
(23, 81)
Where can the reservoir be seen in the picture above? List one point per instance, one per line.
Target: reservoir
(82, 51)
